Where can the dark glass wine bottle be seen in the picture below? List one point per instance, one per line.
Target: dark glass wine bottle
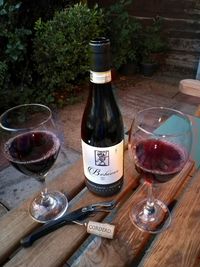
(102, 130)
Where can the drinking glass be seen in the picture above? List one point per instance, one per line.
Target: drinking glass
(31, 144)
(159, 144)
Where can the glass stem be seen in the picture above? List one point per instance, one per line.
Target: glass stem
(44, 191)
(149, 208)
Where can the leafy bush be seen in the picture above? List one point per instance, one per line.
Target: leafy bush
(13, 49)
(61, 47)
(152, 40)
(17, 77)
(30, 11)
(123, 30)
(3, 73)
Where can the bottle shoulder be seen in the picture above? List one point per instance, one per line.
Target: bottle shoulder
(102, 115)
(102, 100)
(102, 122)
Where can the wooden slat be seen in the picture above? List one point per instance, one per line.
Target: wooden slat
(129, 241)
(190, 87)
(180, 246)
(55, 248)
(17, 223)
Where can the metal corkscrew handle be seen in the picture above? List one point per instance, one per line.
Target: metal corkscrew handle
(76, 215)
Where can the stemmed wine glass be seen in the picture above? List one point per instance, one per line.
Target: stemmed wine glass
(31, 144)
(159, 143)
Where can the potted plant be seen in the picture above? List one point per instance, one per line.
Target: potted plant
(153, 47)
(122, 29)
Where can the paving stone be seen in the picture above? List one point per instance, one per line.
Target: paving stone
(16, 187)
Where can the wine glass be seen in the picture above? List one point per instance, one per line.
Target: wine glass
(159, 144)
(31, 144)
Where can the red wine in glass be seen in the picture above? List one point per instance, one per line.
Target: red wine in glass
(33, 153)
(159, 143)
(29, 140)
(159, 160)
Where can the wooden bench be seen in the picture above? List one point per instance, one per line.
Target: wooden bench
(72, 246)
(191, 87)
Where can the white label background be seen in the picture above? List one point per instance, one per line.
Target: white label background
(100, 77)
(106, 171)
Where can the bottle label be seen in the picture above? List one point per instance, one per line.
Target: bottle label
(103, 165)
(100, 77)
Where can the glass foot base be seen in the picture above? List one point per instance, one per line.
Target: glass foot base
(152, 222)
(53, 207)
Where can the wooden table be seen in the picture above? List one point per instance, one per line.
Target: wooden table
(72, 246)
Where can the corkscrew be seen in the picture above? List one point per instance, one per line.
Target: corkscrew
(100, 206)
(75, 216)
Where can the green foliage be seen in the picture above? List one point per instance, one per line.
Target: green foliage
(152, 40)
(123, 30)
(3, 73)
(61, 47)
(13, 38)
(13, 50)
(17, 77)
(30, 11)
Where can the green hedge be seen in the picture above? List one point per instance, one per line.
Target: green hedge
(61, 46)
(123, 31)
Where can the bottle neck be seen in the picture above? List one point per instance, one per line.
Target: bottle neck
(100, 77)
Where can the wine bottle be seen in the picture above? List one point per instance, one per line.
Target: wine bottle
(102, 130)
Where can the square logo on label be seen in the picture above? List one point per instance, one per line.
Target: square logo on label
(101, 158)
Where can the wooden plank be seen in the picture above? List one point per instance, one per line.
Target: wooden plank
(17, 222)
(190, 87)
(184, 44)
(55, 248)
(179, 58)
(180, 245)
(129, 242)
(154, 8)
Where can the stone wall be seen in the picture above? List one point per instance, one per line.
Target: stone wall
(182, 26)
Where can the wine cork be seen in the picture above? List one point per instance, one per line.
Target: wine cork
(101, 229)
